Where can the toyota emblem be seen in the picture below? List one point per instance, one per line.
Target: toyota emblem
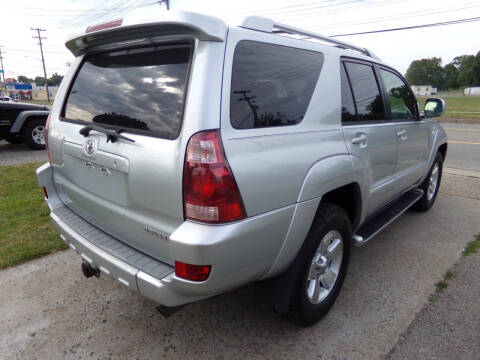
(89, 147)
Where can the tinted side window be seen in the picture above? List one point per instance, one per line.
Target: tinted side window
(365, 91)
(349, 112)
(271, 84)
(402, 101)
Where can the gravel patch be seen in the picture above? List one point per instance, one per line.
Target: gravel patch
(448, 328)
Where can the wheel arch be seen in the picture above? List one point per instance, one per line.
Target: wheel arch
(25, 116)
(442, 149)
(329, 180)
(349, 198)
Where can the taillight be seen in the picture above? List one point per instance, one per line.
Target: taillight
(47, 125)
(45, 192)
(192, 272)
(210, 193)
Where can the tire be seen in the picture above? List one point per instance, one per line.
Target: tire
(14, 140)
(430, 185)
(33, 133)
(316, 291)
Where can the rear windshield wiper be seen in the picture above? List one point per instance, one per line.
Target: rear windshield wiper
(112, 135)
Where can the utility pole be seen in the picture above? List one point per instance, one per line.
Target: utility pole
(251, 103)
(166, 2)
(3, 72)
(40, 38)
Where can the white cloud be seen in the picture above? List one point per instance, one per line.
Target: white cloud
(62, 17)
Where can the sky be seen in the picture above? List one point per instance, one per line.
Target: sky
(60, 18)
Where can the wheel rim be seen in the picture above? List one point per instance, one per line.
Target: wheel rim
(433, 182)
(38, 135)
(325, 266)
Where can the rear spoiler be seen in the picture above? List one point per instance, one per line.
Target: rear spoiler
(174, 23)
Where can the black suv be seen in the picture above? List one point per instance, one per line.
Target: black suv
(22, 122)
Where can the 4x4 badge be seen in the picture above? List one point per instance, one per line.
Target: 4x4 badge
(89, 148)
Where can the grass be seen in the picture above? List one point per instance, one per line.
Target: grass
(39, 102)
(466, 107)
(442, 285)
(25, 228)
(472, 246)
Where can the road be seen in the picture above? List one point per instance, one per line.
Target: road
(19, 154)
(463, 146)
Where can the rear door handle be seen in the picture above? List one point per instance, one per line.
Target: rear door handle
(360, 139)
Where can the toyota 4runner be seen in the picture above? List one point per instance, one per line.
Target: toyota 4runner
(188, 158)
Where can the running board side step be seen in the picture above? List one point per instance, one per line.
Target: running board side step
(386, 216)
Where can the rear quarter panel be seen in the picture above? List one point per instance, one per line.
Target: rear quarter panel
(270, 164)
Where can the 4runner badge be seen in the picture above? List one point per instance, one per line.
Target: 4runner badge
(155, 233)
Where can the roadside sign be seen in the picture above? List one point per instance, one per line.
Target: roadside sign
(1, 71)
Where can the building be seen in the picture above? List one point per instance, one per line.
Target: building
(475, 90)
(423, 90)
(40, 92)
(18, 91)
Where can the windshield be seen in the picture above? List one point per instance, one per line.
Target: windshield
(137, 90)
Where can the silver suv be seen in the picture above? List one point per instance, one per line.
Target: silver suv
(188, 158)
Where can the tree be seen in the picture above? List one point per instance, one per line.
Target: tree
(476, 70)
(465, 65)
(39, 81)
(427, 72)
(451, 75)
(24, 79)
(55, 80)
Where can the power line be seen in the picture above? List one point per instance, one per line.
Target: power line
(115, 9)
(46, 51)
(408, 15)
(284, 8)
(86, 13)
(303, 13)
(452, 22)
(39, 37)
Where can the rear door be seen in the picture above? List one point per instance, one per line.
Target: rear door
(368, 133)
(130, 189)
(410, 130)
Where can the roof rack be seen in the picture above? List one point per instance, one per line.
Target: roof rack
(260, 23)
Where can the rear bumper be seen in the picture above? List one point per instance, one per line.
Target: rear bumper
(239, 253)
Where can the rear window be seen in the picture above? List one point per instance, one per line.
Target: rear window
(137, 90)
(271, 84)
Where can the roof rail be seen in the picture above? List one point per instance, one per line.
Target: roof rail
(260, 23)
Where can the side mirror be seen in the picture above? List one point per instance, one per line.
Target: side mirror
(434, 107)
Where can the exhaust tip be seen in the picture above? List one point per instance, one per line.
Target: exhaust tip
(89, 271)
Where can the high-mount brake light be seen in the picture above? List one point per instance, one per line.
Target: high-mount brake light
(210, 193)
(104, 26)
(47, 126)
